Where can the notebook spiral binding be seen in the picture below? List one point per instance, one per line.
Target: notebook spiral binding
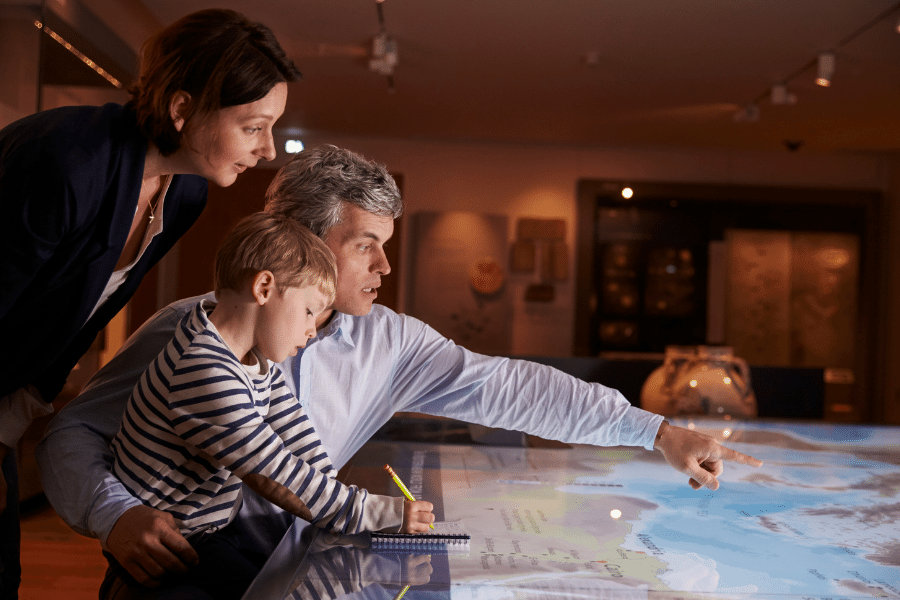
(402, 541)
(439, 545)
(450, 537)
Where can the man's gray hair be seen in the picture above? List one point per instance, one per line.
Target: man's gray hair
(314, 185)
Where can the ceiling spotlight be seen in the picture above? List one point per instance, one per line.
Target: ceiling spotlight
(747, 114)
(826, 69)
(779, 94)
(384, 54)
(293, 146)
(591, 58)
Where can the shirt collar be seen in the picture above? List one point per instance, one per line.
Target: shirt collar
(340, 325)
(200, 316)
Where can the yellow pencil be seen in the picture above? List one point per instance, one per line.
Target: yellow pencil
(401, 486)
(400, 595)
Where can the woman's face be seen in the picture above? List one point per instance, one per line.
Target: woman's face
(231, 140)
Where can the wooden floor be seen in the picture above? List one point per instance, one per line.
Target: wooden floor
(56, 561)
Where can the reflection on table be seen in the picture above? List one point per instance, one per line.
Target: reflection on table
(818, 520)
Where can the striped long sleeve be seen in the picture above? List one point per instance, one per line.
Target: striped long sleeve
(197, 422)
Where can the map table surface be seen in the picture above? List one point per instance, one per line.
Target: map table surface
(819, 520)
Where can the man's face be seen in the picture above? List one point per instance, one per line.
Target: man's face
(358, 244)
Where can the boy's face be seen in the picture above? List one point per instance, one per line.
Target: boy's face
(288, 321)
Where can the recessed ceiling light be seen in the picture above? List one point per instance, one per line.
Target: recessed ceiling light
(293, 146)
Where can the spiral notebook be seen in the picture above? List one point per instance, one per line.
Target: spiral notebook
(447, 536)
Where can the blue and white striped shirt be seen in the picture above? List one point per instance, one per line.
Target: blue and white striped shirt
(198, 422)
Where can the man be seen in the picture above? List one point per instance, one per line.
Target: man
(365, 363)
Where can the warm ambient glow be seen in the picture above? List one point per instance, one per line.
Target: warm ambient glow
(627, 193)
(99, 70)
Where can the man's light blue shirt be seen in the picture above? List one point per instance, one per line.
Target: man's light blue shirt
(351, 378)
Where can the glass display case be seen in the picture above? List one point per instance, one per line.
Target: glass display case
(786, 277)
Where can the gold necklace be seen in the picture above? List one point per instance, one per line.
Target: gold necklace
(151, 206)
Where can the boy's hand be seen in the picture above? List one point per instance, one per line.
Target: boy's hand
(416, 569)
(417, 516)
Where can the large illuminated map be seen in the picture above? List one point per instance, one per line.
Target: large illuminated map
(820, 519)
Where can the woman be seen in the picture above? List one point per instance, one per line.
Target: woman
(92, 197)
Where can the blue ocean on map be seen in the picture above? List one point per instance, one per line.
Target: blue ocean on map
(778, 530)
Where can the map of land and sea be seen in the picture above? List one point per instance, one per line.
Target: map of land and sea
(820, 520)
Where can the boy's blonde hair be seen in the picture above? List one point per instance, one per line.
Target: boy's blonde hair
(266, 242)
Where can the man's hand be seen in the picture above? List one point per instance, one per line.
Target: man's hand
(417, 516)
(697, 454)
(148, 544)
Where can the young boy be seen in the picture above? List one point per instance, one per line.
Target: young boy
(213, 409)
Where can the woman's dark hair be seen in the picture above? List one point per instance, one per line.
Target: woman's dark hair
(217, 56)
